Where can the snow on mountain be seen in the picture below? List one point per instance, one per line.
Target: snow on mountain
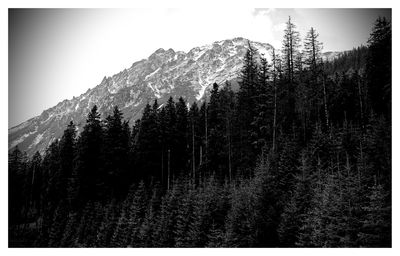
(329, 56)
(163, 74)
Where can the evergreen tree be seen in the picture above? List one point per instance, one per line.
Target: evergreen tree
(216, 128)
(116, 153)
(171, 153)
(36, 171)
(195, 139)
(263, 120)
(379, 68)
(182, 142)
(290, 49)
(89, 162)
(51, 164)
(147, 149)
(246, 100)
(58, 225)
(376, 228)
(313, 51)
(296, 210)
(67, 154)
(17, 167)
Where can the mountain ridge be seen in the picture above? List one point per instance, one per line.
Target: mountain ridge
(163, 74)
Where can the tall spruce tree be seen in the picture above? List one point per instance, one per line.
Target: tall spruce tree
(246, 100)
(148, 151)
(116, 153)
(182, 142)
(67, 155)
(379, 67)
(290, 50)
(89, 161)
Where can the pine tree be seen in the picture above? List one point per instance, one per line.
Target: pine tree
(136, 205)
(35, 167)
(376, 228)
(51, 165)
(69, 232)
(241, 217)
(182, 131)
(166, 222)
(58, 225)
(290, 49)
(227, 114)
(89, 162)
(245, 112)
(171, 141)
(147, 148)
(216, 129)
(67, 154)
(185, 211)
(116, 153)
(275, 97)
(313, 51)
(108, 225)
(203, 162)
(148, 226)
(296, 210)
(195, 139)
(378, 67)
(314, 91)
(263, 120)
(17, 167)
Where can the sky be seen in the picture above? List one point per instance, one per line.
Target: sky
(55, 54)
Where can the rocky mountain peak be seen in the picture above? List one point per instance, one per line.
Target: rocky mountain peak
(165, 73)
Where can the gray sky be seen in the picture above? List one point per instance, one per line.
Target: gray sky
(55, 54)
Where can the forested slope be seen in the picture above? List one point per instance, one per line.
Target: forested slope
(299, 156)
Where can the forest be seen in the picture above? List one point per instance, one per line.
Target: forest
(298, 156)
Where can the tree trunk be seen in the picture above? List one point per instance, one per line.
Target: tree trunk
(193, 155)
(206, 146)
(360, 99)
(325, 103)
(229, 151)
(274, 124)
(169, 170)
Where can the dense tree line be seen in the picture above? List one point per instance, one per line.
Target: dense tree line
(300, 156)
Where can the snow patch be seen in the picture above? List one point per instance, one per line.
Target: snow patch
(159, 107)
(21, 139)
(201, 91)
(155, 90)
(132, 102)
(38, 138)
(48, 118)
(200, 53)
(152, 73)
(128, 104)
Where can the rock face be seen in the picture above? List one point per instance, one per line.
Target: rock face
(165, 73)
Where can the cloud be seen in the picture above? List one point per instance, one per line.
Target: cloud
(263, 11)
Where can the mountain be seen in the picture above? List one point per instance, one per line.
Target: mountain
(329, 56)
(165, 73)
